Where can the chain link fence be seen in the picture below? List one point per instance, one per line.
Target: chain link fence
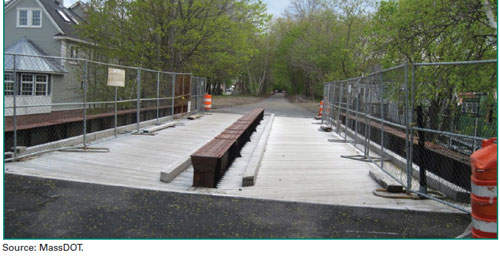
(53, 103)
(418, 123)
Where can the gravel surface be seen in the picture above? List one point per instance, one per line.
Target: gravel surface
(275, 104)
(222, 101)
(45, 208)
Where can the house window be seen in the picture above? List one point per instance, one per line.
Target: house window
(29, 18)
(8, 84)
(41, 85)
(36, 18)
(34, 85)
(26, 84)
(73, 51)
(23, 17)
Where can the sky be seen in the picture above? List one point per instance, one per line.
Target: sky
(276, 7)
(68, 3)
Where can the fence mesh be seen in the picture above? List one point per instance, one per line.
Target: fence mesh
(419, 123)
(54, 102)
(454, 109)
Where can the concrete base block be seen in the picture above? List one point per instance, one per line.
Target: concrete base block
(173, 170)
(159, 127)
(386, 181)
(195, 116)
(19, 149)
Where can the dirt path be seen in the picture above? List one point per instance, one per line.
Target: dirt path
(275, 104)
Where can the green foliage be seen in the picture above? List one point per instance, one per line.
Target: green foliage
(325, 43)
(317, 41)
(209, 38)
(438, 31)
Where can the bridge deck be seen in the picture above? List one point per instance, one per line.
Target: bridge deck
(299, 164)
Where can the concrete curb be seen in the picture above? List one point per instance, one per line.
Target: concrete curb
(252, 169)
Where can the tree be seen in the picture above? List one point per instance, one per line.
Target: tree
(176, 35)
(320, 41)
(436, 31)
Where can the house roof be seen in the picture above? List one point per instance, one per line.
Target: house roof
(30, 63)
(67, 25)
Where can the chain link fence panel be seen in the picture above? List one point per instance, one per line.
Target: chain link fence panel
(54, 103)
(418, 123)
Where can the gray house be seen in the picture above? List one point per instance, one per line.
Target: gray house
(41, 28)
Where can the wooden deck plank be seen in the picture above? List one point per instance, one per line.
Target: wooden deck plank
(299, 164)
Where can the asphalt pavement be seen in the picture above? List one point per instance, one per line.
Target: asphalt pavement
(45, 208)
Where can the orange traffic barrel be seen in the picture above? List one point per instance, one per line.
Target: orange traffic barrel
(208, 101)
(484, 190)
(320, 108)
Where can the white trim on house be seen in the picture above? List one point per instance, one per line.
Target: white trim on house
(29, 17)
(71, 39)
(63, 52)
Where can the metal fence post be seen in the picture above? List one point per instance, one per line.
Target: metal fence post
(347, 112)
(381, 97)
(116, 111)
(173, 95)
(204, 85)
(325, 101)
(14, 114)
(409, 165)
(339, 123)
(412, 108)
(421, 151)
(158, 98)
(331, 100)
(356, 90)
(138, 115)
(85, 85)
(200, 87)
(368, 129)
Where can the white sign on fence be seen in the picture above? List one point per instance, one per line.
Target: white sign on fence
(116, 77)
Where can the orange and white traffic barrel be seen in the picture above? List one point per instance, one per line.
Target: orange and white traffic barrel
(484, 190)
(320, 109)
(208, 101)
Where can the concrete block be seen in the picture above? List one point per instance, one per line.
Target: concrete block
(19, 149)
(195, 116)
(173, 170)
(386, 181)
(159, 127)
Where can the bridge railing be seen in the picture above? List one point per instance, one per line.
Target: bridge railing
(419, 123)
(56, 103)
